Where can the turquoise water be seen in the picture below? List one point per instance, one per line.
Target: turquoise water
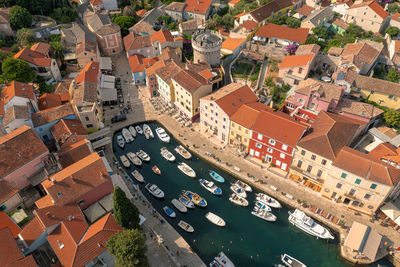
(246, 239)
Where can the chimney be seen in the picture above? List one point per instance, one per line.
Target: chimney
(99, 245)
(48, 214)
(73, 179)
(53, 179)
(70, 218)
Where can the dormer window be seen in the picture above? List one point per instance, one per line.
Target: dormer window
(59, 194)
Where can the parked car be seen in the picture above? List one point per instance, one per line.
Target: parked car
(326, 79)
(118, 118)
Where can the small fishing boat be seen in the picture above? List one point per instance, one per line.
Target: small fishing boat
(162, 134)
(183, 152)
(143, 155)
(156, 170)
(210, 186)
(308, 225)
(170, 212)
(186, 169)
(132, 131)
(179, 205)
(138, 176)
(270, 201)
(135, 159)
(215, 219)
(185, 226)
(187, 202)
(234, 198)
(262, 206)
(221, 260)
(120, 141)
(291, 262)
(195, 198)
(166, 154)
(127, 135)
(154, 190)
(148, 133)
(125, 161)
(138, 129)
(243, 185)
(216, 177)
(238, 190)
(263, 214)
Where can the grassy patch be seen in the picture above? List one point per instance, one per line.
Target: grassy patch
(256, 72)
(242, 70)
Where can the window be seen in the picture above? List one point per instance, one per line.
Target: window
(258, 145)
(81, 202)
(373, 186)
(272, 142)
(319, 173)
(257, 154)
(59, 194)
(247, 131)
(300, 70)
(89, 125)
(323, 161)
(391, 96)
(300, 100)
(270, 150)
(259, 137)
(344, 175)
(299, 163)
(367, 196)
(278, 163)
(309, 168)
(358, 181)
(296, 82)
(352, 192)
(372, 92)
(284, 147)
(313, 157)
(223, 118)
(338, 185)
(282, 155)
(87, 118)
(303, 152)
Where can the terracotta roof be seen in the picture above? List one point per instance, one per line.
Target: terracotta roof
(296, 61)
(33, 57)
(16, 113)
(77, 179)
(249, 25)
(241, 14)
(6, 222)
(96, 2)
(28, 261)
(389, 132)
(396, 17)
(66, 128)
(192, 24)
(162, 36)
(335, 51)
(358, 108)
(68, 155)
(136, 42)
(384, 150)
(189, 80)
(374, 6)
(329, 134)
(378, 85)
(234, 2)
(359, 54)
(14, 151)
(44, 202)
(366, 166)
(62, 87)
(89, 73)
(85, 92)
(176, 6)
(139, 63)
(232, 43)
(52, 215)
(340, 23)
(17, 89)
(140, 13)
(157, 65)
(325, 91)
(247, 114)
(269, 30)
(85, 46)
(198, 6)
(52, 114)
(263, 12)
(6, 191)
(41, 48)
(207, 74)
(171, 53)
(108, 29)
(306, 49)
(142, 27)
(345, 74)
(9, 250)
(305, 10)
(170, 69)
(2, 112)
(48, 100)
(32, 231)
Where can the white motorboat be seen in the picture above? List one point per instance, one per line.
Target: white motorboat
(238, 190)
(125, 161)
(170, 212)
(308, 225)
(154, 190)
(221, 260)
(179, 205)
(148, 133)
(138, 176)
(162, 134)
(127, 135)
(210, 186)
(143, 155)
(138, 129)
(166, 154)
(291, 262)
(132, 131)
(187, 202)
(135, 159)
(183, 152)
(186, 169)
(262, 206)
(185, 226)
(270, 201)
(120, 141)
(243, 185)
(234, 198)
(215, 219)
(263, 214)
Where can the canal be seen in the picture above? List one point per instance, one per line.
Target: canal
(246, 239)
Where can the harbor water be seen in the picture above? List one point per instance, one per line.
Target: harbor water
(246, 239)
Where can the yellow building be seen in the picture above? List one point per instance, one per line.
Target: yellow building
(241, 123)
(384, 93)
(163, 77)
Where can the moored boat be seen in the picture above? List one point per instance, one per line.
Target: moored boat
(221, 260)
(143, 155)
(125, 161)
(186, 201)
(179, 205)
(135, 159)
(132, 130)
(138, 176)
(127, 135)
(308, 225)
(154, 190)
(270, 201)
(185, 226)
(263, 214)
(291, 262)
(195, 198)
(262, 206)
(186, 169)
(234, 198)
(216, 176)
(162, 134)
(156, 170)
(138, 129)
(243, 185)
(215, 219)
(210, 186)
(166, 154)
(147, 131)
(120, 141)
(183, 152)
(238, 190)
(170, 212)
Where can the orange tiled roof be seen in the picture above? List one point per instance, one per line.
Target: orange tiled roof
(296, 61)
(198, 6)
(206, 74)
(241, 14)
(396, 17)
(136, 63)
(48, 100)
(68, 155)
(65, 128)
(136, 42)
(52, 114)
(9, 250)
(41, 48)
(189, 80)
(247, 114)
(269, 30)
(96, 2)
(141, 13)
(6, 222)
(2, 111)
(89, 73)
(249, 25)
(374, 6)
(52, 215)
(44, 202)
(33, 57)
(162, 36)
(233, 2)
(32, 231)
(28, 261)
(305, 10)
(17, 89)
(232, 43)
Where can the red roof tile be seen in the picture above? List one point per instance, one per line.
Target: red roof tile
(198, 6)
(52, 114)
(141, 13)
(6, 191)
(241, 14)
(162, 36)
(33, 57)
(17, 89)
(296, 61)
(269, 30)
(9, 250)
(232, 43)
(249, 25)
(44, 202)
(89, 73)
(2, 112)
(305, 10)
(396, 17)
(66, 128)
(48, 100)
(28, 261)
(52, 215)
(247, 114)
(7, 222)
(68, 155)
(139, 63)
(136, 42)
(32, 231)
(41, 48)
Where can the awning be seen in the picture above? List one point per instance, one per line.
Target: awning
(107, 202)
(105, 63)
(94, 212)
(108, 167)
(107, 88)
(392, 210)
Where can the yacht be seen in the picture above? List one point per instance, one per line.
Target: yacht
(263, 214)
(138, 176)
(221, 260)
(179, 205)
(148, 133)
(291, 262)
(238, 190)
(135, 159)
(215, 219)
(187, 202)
(183, 152)
(154, 190)
(143, 155)
(166, 154)
(186, 169)
(270, 201)
(125, 161)
(127, 135)
(195, 198)
(132, 130)
(138, 129)
(162, 134)
(262, 206)
(210, 186)
(308, 225)
(185, 226)
(120, 141)
(243, 185)
(234, 198)
(170, 212)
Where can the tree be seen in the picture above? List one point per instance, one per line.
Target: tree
(57, 50)
(392, 31)
(393, 8)
(64, 14)
(392, 117)
(18, 70)
(25, 37)
(128, 248)
(228, 20)
(125, 213)
(354, 30)
(291, 49)
(320, 32)
(264, 2)
(393, 75)
(20, 18)
(293, 22)
(125, 22)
